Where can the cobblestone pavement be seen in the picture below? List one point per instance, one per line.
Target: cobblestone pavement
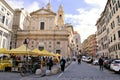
(75, 71)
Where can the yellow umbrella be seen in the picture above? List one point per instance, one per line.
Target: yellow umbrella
(22, 50)
(46, 53)
(36, 51)
(42, 53)
(3, 50)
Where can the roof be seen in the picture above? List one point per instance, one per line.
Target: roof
(46, 11)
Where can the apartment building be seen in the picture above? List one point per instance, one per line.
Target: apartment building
(6, 20)
(108, 30)
(90, 46)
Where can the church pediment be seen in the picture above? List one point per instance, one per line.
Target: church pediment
(43, 11)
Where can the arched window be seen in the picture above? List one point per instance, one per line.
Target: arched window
(60, 16)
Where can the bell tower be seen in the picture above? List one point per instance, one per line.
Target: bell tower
(60, 16)
(48, 6)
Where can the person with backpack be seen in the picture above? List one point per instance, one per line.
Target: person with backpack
(62, 64)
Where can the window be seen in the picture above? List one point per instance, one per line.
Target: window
(58, 42)
(60, 16)
(3, 9)
(32, 42)
(76, 40)
(108, 31)
(119, 34)
(118, 19)
(41, 48)
(42, 26)
(7, 22)
(114, 37)
(58, 51)
(116, 7)
(8, 13)
(113, 1)
(111, 39)
(49, 42)
(112, 25)
(3, 19)
(116, 47)
(119, 3)
(77, 45)
(0, 18)
(119, 46)
(49, 46)
(114, 10)
(4, 42)
(110, 6)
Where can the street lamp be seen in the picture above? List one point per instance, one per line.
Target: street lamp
(26, 41)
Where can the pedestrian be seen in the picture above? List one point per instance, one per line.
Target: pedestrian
(79, 60)
(50, 63)
(101, 63)
(62, 64)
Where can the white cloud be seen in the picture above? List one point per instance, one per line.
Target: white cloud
(85, 21)
(16, 3)
(33, 7)
(98, 3)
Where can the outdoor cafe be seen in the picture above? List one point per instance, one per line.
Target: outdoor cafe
(11, 60)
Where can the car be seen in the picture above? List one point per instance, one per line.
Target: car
(95, 62)
(89, 60)
(74, 58)
(107, 63)
(115, 65)
(5, 65)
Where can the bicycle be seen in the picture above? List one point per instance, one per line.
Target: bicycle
(26, 69)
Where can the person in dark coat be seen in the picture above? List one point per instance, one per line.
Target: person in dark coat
(101, 63)
(62, 64)
(79, 60)
(50, 63)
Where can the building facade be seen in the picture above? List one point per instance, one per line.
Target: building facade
(102, 38)
(45, 29)
(89, 46)
(21, 21)
(6, 20)
(77, 43)
(111, 20)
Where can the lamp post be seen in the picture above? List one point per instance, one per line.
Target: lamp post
(26, 41)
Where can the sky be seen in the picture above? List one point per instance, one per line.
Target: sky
(82, 14)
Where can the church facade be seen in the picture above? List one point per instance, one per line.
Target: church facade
(44, 29)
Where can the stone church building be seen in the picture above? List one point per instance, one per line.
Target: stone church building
(44, 29)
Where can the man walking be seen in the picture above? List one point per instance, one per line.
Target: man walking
(101, 63)
(62, 64)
